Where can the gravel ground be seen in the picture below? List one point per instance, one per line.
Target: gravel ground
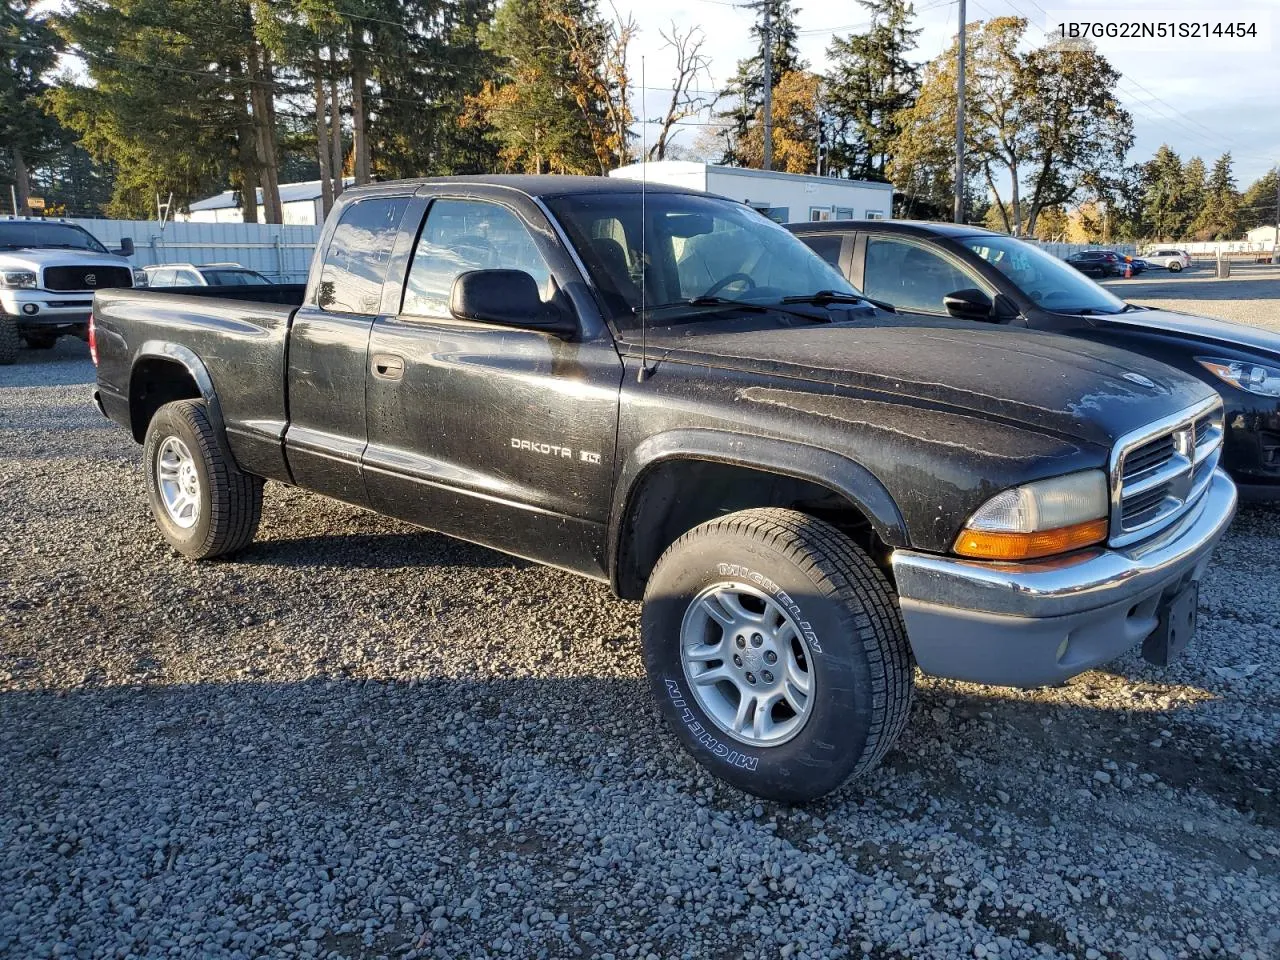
(361, 740)
(1250, 295)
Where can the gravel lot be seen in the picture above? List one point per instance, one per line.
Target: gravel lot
(361, 740)
(1250, 295)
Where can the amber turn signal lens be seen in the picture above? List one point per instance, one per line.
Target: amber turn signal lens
(989, 545)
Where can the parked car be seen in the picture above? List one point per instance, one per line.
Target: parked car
(668, 392)
(205, 275)
(49, 270)
(1136, 264)
(1100, 264)
(976, 274)
(1170, 258)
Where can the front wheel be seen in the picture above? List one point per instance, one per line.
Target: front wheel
(10, 341)
(204, 504)
(777, 653)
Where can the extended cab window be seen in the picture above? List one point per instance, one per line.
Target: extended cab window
(464, 235)
(910, 276)
(355, 265)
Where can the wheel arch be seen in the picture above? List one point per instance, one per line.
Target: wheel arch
(646, 518)
(163, 372)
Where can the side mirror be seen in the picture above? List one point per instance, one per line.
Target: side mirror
(507, 298)
(968, 304)
(126, 247)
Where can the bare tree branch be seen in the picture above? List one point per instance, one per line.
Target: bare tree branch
(686, 100)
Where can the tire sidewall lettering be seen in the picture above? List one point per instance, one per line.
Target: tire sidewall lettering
(701, 735)
(739, 571)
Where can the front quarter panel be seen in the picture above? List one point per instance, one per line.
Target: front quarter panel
(936, 466)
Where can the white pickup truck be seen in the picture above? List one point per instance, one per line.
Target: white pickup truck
(49, 272)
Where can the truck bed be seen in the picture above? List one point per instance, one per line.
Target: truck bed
(232, 338)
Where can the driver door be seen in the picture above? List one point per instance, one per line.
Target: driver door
(499, 435)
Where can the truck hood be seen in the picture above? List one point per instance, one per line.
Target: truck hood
(38, 259)
(1200, 328)
(1049, 383)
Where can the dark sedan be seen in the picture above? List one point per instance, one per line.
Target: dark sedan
(974, 274)
(1100, 264)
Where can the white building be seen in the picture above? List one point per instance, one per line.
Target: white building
(300, 203)
(785, 197)
(1266, 236)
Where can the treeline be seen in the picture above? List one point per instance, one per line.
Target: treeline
(186, 98)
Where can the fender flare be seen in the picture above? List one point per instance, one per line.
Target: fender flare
(191, 362)
(790, 458)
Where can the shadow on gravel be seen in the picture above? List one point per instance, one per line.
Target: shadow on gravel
(379, 551)
(418, 743)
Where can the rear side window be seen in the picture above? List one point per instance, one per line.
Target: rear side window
(355, 265)
(825, 245)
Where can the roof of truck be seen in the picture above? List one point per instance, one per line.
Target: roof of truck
(544, 185)
(919, 228)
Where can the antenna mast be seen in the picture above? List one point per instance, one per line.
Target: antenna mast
(643, 374)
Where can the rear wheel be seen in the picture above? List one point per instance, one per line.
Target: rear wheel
(1175, 267)
(776, 652)
(204, 505)
(9, 339)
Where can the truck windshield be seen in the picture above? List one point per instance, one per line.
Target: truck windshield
(692, 248)
(1047, 281)
(38, 235)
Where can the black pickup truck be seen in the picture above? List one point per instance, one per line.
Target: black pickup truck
(667, 392)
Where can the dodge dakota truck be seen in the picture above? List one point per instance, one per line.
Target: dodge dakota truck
(667, 392)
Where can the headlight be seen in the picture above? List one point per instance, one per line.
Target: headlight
(1250, 377)
(19, 278)
(1039, 519)
(139, 278)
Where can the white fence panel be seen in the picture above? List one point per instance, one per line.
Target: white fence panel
(280, 252)
(1064, 250)
(1211, 248)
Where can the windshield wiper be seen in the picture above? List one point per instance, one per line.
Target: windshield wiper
(701, 302)
(837, 296)
(1131, 307)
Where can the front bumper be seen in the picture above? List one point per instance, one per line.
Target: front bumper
(51, 307)
(1031, 624)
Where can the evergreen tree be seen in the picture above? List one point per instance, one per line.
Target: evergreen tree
(745, 91)
(1258, 206)
(1165, 211)
(1219, 218)
(1195, 185)
(870, 83)
(424, 72)
(28, 51)
(545, 111)
(181, 99)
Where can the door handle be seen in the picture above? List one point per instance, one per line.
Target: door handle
(387, 366)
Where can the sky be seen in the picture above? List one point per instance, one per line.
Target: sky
(1201, 102)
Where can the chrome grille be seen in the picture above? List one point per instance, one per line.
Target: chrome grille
(1159, 472)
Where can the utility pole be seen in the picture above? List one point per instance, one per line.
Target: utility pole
(1275, 242)
(959, 201)
(767, 161)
